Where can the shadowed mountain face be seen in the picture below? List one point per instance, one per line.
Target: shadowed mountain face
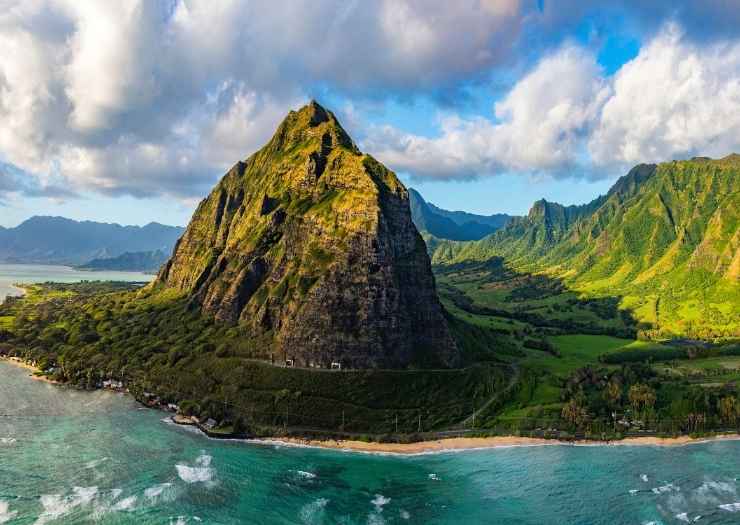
(309, 244)
(452, 225)
(56, 240)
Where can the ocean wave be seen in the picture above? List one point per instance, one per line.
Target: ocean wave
(95, 463)
(157, 491)
(126, 504)
(380, 501)
(305, 474)
(183, 520)
(5, 513)
(713, 492)
(731, 507)
(668, 487)
(8, 441)
(56, 506)
(201, 472)
(405, 515)
(313, 512)
(644, 478)
(434, 477)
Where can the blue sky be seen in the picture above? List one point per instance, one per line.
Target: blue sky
(130, 111)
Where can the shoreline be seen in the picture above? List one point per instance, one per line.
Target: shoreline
(437, 446)
(462, 444)
(35, 374)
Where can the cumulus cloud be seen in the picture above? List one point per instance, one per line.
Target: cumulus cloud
(152, 98)
(676, 99)
(158, 98)
(566, 118)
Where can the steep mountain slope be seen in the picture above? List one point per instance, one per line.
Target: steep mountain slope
(310, 247)
(452, 225)
(56, 240)
(665, 237)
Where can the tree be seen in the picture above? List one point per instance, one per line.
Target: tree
(574, 413)
(728, 409)
(642, 398)
(613, 393)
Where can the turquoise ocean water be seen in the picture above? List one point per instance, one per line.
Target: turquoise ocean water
(39, 273)
(69, 457)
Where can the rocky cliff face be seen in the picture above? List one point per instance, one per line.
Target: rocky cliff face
(309, 244)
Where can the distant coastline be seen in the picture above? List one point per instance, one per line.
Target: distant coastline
(21, 292)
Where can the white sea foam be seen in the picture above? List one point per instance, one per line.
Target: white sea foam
(405, 515)
(305, 474)
(644, 478)
(183, 520)
(668, 487)
(201, 472)
(157, 490)
(56, 506)
(634, 491)
(7, 441)
(313, 512)
(731, 507)
(375, 519)
(5, 513)
(683, 517)
(380, 501)
(95, 463)
(433, 477)
(713, 492)
(125, 504)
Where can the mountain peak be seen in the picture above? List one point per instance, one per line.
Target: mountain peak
(309, 246)
(312, 125)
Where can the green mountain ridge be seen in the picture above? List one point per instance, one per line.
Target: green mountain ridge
(665, 238)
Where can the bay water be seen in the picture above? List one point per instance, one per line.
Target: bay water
(11, 274)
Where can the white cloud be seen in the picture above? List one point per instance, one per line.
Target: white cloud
(155, 98)
(539, 126)
(675, 99)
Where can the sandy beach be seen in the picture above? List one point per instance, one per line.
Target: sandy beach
(479, 443)
(34, 371)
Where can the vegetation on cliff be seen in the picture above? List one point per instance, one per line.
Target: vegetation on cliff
(308, 246)
(665, 241)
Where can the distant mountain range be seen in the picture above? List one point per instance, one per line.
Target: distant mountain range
(452, 225)
(148, 262)
(56, 240)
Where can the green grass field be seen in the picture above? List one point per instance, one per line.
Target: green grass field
(576, 351)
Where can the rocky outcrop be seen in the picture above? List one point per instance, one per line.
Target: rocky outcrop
(309, 246)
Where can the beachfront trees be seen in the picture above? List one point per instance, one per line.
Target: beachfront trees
(728, 409)
(642, 398)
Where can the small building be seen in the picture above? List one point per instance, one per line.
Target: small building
(336, 365)
(289, 363)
